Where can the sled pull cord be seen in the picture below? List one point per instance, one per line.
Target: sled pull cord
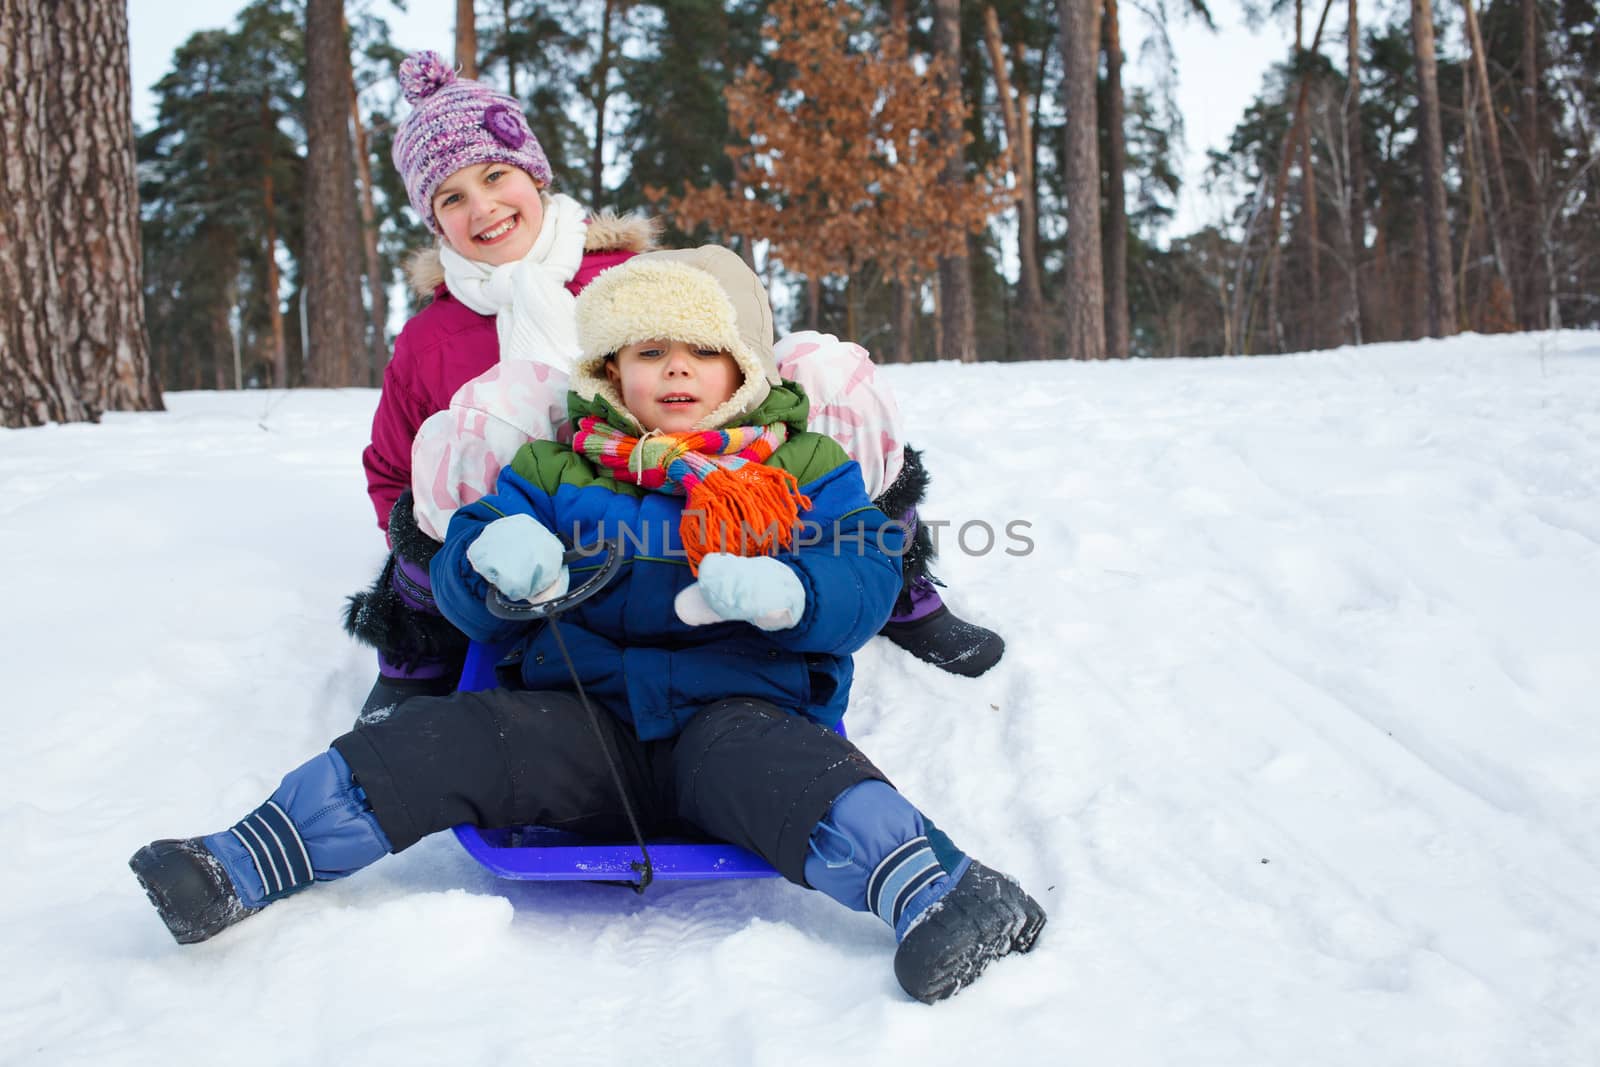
(645, 870)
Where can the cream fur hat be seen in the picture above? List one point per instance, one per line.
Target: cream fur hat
(701, 296)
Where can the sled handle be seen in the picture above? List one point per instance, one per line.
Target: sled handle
(502, 607)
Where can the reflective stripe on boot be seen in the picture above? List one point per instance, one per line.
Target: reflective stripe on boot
(871, 853)
(317, 826)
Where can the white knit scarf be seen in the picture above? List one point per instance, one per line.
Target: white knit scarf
(533, 310)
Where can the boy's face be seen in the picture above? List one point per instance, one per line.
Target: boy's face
(490, 212)
(669, 385)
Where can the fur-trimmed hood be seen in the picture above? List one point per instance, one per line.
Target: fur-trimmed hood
(607, 232)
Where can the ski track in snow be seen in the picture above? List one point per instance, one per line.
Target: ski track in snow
(1295, 739)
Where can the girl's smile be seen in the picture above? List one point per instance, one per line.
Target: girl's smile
(490, 212)
(498, 232)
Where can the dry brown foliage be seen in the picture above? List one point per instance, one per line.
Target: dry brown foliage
(841, 164)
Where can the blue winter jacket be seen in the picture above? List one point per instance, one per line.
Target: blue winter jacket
(627, 643)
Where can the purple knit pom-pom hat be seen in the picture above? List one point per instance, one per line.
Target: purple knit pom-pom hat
(455, 123)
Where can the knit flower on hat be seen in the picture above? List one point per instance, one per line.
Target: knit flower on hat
(505, 123)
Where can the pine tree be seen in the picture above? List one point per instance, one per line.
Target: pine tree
(222, 185)
(678, 131)
(1441, 293)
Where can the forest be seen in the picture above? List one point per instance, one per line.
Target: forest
(935, 180)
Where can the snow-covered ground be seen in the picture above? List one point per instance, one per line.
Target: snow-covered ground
(1298, 739)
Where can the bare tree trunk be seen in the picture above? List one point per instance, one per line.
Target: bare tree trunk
(95, 204)
(1334, 130)
(602, 91)
(1014, 112)
(1084, 282)
(222, 332)
(1380, 309)
(511, 52)
(72, 339)
(1236, 326)
(1357, 170)
(1441, 296)
(333, 258)
(850, 287)
(905, 294)
(1537, 284)
(36, 385)
(1308, 171)
(466, 39)
(1500, 196)
(377, 295)
(1035, 126)
(1416, 313)
(1473, 175)
(955, 277)
(813, 302)
(280, 352)
(1116, 223)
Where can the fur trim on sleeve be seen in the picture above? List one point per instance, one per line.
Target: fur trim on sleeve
(381, 618)
(408, 538)
(407, 638)
(902, 496)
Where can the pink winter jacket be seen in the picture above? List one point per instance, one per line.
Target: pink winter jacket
(447, 344)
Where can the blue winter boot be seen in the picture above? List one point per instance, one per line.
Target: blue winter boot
(316, 827)
(952, 915)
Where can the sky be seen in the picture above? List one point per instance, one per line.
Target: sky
(1294, 739)
(1218, 74)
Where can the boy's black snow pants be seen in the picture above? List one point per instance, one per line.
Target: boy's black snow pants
(741, 771)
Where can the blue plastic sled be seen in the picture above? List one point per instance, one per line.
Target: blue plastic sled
(541, 854)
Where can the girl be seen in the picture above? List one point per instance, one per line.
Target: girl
(483, 368)
(720, 656)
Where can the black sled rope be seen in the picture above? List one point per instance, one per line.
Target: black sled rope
(504, 608)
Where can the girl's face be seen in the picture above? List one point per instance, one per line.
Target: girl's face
(490, 212)
(669, 385)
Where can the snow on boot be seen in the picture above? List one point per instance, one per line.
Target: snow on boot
(984, 916)
(189, 888)
(930, 631)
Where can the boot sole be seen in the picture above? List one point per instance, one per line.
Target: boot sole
(1025, 920)
(147, 859)
(151, 867)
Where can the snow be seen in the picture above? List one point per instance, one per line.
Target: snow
(1295, 739)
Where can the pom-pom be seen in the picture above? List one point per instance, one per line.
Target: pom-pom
(423, 74)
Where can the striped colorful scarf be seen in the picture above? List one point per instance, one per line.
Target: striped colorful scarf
(734, 502)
